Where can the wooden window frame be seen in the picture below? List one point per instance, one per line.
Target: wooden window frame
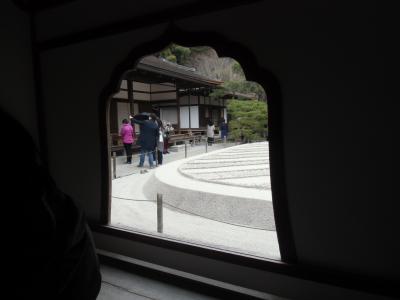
(288, 264)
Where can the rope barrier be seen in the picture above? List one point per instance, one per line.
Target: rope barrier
(191, 213)
(142, 200)
(228, 223)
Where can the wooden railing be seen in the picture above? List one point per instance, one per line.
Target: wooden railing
(173, 139)
(182, 137)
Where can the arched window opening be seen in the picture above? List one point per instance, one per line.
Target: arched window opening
(189, 152)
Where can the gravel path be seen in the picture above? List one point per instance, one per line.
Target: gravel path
(131, 209)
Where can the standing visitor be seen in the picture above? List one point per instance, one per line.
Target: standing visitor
(169, 130)
(223, 129)
(210, 132)
(160, 142)
(147, 139)
(128, 137)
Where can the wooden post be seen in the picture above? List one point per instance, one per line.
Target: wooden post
(129, 84)
(159, 213)
(178, 108)
(185, 148)
(189, 105)
(114, 162)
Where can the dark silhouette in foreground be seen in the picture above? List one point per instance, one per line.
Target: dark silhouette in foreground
(48, 246)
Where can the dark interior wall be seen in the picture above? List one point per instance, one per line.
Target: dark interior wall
(335, 149)
(114, 126)
(90, 14)
(17, 95)
(74, 78)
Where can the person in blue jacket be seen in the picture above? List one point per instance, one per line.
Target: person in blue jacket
(223, 127)
(147, 139)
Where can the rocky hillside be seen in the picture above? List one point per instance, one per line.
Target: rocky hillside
(206, 61)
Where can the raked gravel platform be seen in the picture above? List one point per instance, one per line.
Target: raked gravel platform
(220, 186)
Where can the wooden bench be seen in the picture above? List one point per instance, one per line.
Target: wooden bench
(182, 137)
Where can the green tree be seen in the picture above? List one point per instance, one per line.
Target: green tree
(182, 54)
(175, 53)
(237, 68)
(167, 54)
(248, 119)
(244, 87)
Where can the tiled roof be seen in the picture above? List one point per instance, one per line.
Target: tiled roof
(167, 68)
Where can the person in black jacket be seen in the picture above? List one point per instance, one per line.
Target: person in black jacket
(147, 139)
(48, 245)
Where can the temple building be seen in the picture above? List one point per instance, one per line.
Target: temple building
(176, 93)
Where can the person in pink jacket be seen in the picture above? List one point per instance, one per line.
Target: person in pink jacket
(128, 137)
